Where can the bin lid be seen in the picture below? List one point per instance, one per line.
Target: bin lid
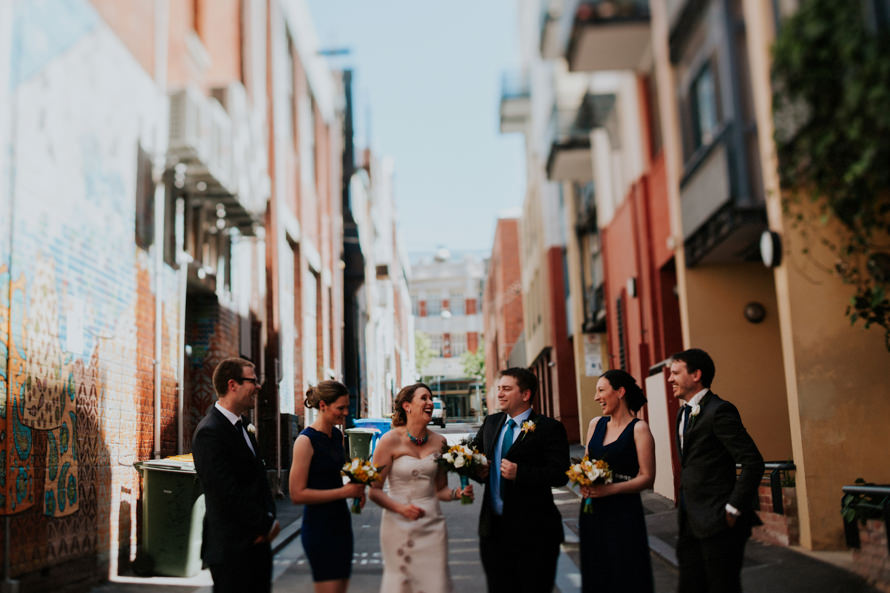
(167, 465)
(362, 430)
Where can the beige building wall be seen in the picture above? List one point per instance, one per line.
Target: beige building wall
(836, 374)
(535, 278)
(748, 355)
(585, 379)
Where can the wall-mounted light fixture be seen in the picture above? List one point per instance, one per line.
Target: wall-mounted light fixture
(632, 287)
(770, 249)
(755, 312)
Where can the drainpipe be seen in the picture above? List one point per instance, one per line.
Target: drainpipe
(161, 17)
(7, 130)
(182, 260)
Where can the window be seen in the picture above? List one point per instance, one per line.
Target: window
(415, 306)
(705, 114)
(433, 306)
(145, 199)
(458, 344)
(437, 344)
(457, 304)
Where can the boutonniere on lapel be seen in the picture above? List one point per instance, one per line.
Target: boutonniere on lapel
(251, 429)
(528, 426)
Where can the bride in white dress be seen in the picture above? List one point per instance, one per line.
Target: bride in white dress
(413, 536)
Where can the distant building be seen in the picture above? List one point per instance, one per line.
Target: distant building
(502, 304)
(386, 332)
(446, 295)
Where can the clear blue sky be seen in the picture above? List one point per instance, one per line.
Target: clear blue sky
(428, 75)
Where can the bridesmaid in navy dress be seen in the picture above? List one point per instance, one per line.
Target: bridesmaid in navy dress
(614, 545)
(315, 481)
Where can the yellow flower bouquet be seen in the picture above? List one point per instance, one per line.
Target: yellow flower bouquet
(586, 472)
(360, 471)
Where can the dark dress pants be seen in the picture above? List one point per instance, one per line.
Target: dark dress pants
(711, 564)
(252, 573)
(517, 563)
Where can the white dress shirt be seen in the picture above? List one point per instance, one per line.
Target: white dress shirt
(234, 418)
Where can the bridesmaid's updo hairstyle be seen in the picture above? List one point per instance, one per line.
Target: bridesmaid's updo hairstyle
(326, 391)
(633, 395)
(399, 415)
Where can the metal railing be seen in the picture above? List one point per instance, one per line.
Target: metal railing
(614, 10)
(777, 474)
(875, 497)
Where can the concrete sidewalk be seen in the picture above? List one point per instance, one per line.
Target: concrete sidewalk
(289, 515)
(767, 568)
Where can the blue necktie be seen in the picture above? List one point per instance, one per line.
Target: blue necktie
(686, 409)
(505, 446)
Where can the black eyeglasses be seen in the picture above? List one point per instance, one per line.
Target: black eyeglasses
(253, 380)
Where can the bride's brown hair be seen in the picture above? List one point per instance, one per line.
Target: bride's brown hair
(399, 416)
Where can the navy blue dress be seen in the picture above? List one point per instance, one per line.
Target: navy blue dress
(327, 527)
(614, 544)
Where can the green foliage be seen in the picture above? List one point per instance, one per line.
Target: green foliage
(859, 507)
(423, 352)
(831, 80)
(474, 362)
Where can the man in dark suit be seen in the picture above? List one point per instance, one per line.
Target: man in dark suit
(715, 507)
(240, 520)
(528, 455)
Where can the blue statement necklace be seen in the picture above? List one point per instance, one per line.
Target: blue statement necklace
(418, 441)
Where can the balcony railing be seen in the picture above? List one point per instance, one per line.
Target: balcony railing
(586, 206)
(569, 131)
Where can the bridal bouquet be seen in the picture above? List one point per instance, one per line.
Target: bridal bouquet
(463, 460)
(586, 472)
(360, 471)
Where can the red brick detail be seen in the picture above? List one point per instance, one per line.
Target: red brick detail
(471, 306)
(779, 530)
(872, 559)
(446, 345)
(421, 308)
(472, 341)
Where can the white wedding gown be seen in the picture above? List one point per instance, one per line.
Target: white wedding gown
(415, 553)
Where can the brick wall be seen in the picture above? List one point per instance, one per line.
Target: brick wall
(872, 559)
(77, 311)
(778, 529)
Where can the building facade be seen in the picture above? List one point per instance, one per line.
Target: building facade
(446, 296)
(158, 220)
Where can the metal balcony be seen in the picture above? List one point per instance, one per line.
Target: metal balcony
(570, 157)
(722, 220)
(515, 102)
(212, 153)
(607, 34)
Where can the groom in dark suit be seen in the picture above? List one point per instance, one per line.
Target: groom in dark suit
(240, 520)
(715, 506)
(528, 455)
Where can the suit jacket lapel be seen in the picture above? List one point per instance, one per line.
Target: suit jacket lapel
(695, 420)
(523, 436)
(496, 425)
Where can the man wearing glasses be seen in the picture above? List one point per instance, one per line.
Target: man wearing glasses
(240, 520)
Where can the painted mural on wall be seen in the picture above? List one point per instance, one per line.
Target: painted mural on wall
(76, 305)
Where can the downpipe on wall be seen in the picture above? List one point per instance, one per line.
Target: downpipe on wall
(161, 13)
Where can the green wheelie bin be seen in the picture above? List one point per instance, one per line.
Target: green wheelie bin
(172, 517)
(360, 442)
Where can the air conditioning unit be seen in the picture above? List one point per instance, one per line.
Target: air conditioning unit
(188, 125)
